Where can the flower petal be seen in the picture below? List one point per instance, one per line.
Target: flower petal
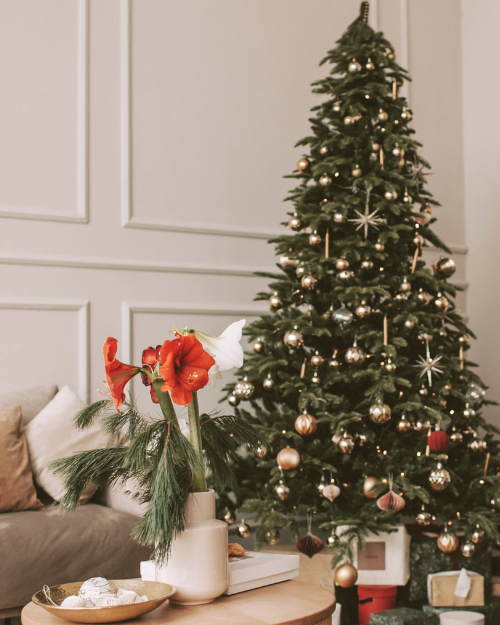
(226, 348)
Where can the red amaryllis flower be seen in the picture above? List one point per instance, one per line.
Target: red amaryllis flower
(150, 357)
(117, 373)
(184, 367)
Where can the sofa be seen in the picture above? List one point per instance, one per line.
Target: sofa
(47, 547)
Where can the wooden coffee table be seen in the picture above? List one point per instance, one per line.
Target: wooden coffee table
(290, 603)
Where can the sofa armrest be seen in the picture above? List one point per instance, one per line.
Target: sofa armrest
(118, 499)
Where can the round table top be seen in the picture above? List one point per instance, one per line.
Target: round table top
(286, 603)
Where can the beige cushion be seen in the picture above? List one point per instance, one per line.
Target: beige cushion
(17, 491)
(31, 400)
(51, 435)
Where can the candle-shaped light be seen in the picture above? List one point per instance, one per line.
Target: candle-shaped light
(381, 155)
(327, 243)
(415, 259)
(487, 463)
(385, 331)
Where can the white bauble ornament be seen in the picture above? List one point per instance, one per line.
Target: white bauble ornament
(331, 492)
(95, 587)
(73, 601)
(107, 601)
(129, 596)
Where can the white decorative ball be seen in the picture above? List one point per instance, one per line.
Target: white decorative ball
(95, 587)
(107, 601)
(129, 596)
(73, 601)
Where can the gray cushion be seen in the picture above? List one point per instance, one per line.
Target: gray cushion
(31, 400)
(38, 548)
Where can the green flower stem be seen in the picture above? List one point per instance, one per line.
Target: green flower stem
(165, 402)
(199, 480)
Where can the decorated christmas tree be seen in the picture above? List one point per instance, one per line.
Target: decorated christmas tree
(358, 379)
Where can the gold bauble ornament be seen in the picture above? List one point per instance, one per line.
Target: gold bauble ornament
(447, 542)
(396, 150)
(441, 303)
(356, 172)
(409, 324)
(281, 490)
(375, 147)
(323, 150)
(300, 271)
(314, 239)
(405, 286)
(445, 267)
(477, 535)
(418, 240)
(332, 540)
(382, 116)
(354, 66)
(308, 282)
(293, 338)
(403, 425)
(392, 56)
(272, 537)
(346, 575)
(321, 486)
(370, 65)
(268, 383)
(367, 264)
(336, 107)
(390, 366)
(355, 355)
(407, 199)
(405, 115)
(468, 549)
(346, 444)
(275, 302)
(456, 436)
(229, 517)
(478, 444)
(425, 336)
(294, 223)
(341, 264)
(379, 247)
(363, 310)
(439, 478)
(303, 164)
(317, 359)
(260, 451)
(361, 440)
(424, 518)
(348, 120)
(346, 275)
(333, 362)
(288, 262)
(288, 458)
(315, 379)
(338, 218)
(258, 346)
(369, 486)
(465, 339)
(380, 413)
(233, 400)
(243, 389)
(468, 412)
(325, 180)
(305, 424)
(423, 297)
(423, 391)
(389, 195)
(243, 529)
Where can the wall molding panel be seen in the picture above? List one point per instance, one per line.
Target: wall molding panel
(81, 213)
(83, 310)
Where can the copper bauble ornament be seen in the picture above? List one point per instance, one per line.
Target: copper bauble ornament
(338, 218)
(294, 222)
(336, 107)
(331, 492)
(346, 444)
(346, 575)
(332, 540)
(243, 389)
(424, 518)
(349, 120)
(258, 346)
(293, 338)
(380, 413)
(300, 271)
(233, 400)
(275, 302)
(341, 264)
(382, 116)
(441, 303)
(369, 485)
(347, 274)
(405, 286)
(303, 164)
(305, 424)
(379, 247)
(468, 412)
(439, 478)
(456, 436)
(465, 339)
(343, 316)
(367, 264)
(468, 549)
(288, 458)
(445, 267)
(229, 517)
(409, 324)
(354, 66)
(315, 379)
(403, 425)
(375, 147)
(317, 359)
(323, 150)
(288, 262)
(363, 310)
(477, 444)
(423, 297)
(268, 383)
(405, 115)
(314, 239)
(272, 537)
(396, 150)
(308, 281)
(389, 195)
(310, 545)
(355, 355)
(391, 502)
(361, 440)
(422, 391)
(447, 542)
(356, 172)
(333, 362)
(243, 529)
(325, 180)
(370, 65)
(281, 490)
(418, 240)
(260, 451)
(477, 535)
(407, 199)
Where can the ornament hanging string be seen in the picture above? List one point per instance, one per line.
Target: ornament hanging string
(46, 592)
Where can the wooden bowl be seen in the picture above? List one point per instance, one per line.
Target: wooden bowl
(156, 592)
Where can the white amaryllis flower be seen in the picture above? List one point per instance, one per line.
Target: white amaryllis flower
(225, 349)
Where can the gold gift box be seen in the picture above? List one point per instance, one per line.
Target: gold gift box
(442, 591)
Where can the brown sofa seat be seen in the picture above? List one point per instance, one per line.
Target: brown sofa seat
(47, 547)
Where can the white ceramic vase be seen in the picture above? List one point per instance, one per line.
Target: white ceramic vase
(197, 565)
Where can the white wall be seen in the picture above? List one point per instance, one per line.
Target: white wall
(142, 149)
(482, 185)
